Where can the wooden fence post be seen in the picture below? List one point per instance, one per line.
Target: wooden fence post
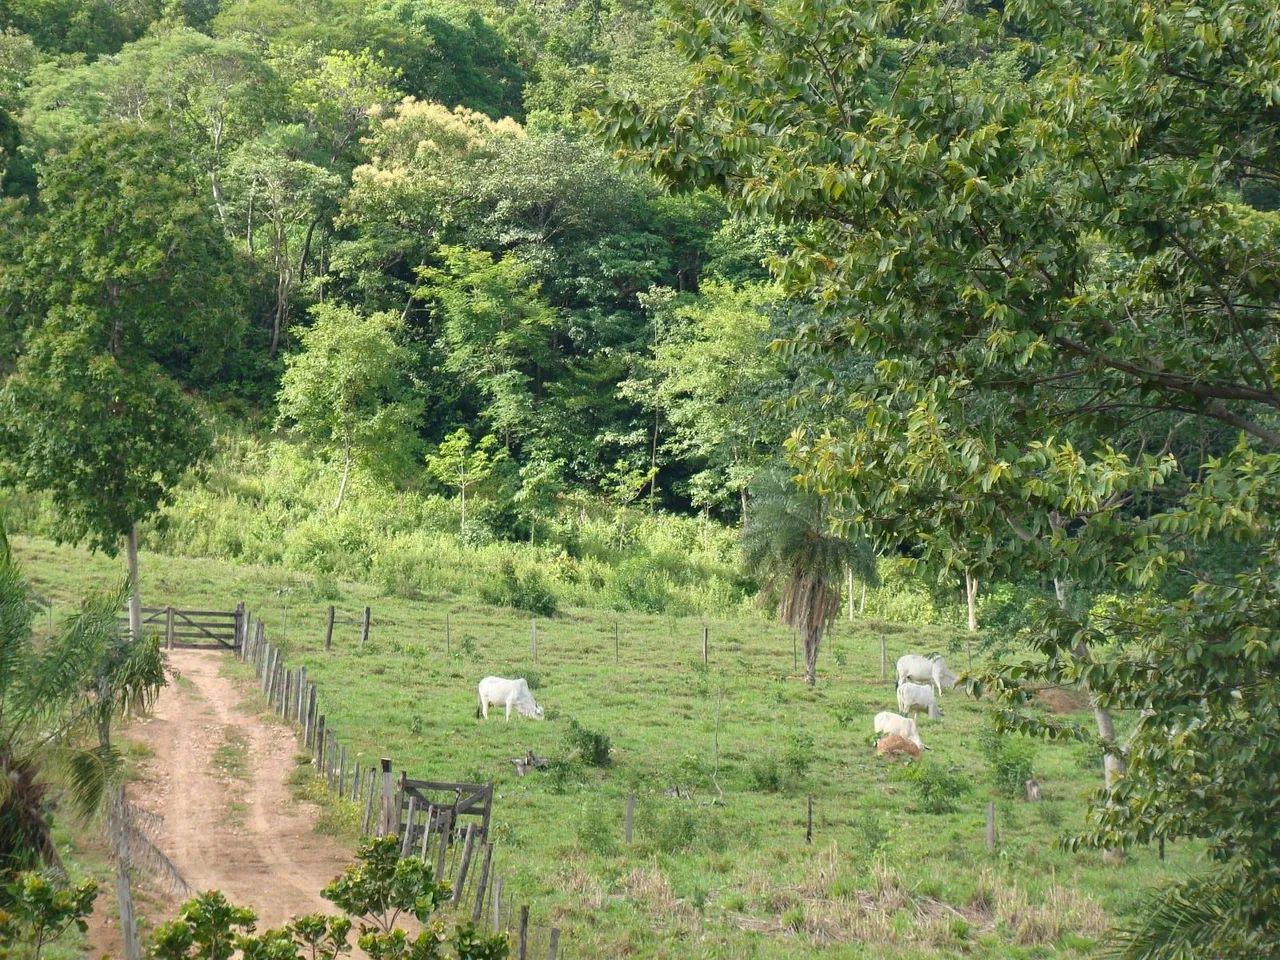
(460, 881)
(266, 662)
(368, 806)
(991, 825)
(319, 743)
(629, 818)
(308, 717)
(483, 882)
(554, 948)
(496, 913)
(168, 627)
(446, 835)
(522, 942)
(241, 627)
(407, 840)
(884, 659)
(364, 627)
(328, 628)
(808, 824)
(342, 773)
(387, 800)
(705, 644)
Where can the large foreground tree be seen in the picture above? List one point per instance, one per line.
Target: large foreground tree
(1046, 222)
(128, 293)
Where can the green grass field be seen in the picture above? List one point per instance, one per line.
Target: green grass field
(724, 872)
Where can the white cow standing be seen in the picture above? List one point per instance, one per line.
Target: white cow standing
(917, 696)
(888, 722)
(930, 670)
(508, 693)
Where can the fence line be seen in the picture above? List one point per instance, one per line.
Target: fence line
(462, 855)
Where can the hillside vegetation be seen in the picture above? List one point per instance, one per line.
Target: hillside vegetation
(898, 867)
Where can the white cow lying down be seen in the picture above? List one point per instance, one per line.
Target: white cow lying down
(931, 670)
(917, 696)
(507, 693)
(888, 722)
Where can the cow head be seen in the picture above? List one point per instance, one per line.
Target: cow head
(529, 710)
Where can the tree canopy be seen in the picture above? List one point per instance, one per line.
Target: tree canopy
(1040, 220)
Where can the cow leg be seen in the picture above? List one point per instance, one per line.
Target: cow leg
(508, 711)
(484, 708)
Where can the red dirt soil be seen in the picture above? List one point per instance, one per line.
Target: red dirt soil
(245, 834)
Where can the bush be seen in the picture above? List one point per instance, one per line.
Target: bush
(797, 756)
(591, 746)
(847, 711)
(598, 830)
(765, 775)
(672, 826)
(936, 788)
(529, 593)
(638, 584)
(1011, 761)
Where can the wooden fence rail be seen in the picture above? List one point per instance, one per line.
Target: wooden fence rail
(447, 824)
(195, 629)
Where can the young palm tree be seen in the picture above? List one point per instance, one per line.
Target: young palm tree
(788, 545)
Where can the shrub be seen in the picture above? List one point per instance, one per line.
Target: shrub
(591, 746)
(598, 829)
(936, 788)
(672, 826)
(847, 711)
(765, 775)
(637, 584)
(529, 592)
(1011, 761)
(797, 756)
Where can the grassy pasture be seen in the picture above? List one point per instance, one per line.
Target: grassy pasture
(725, 872)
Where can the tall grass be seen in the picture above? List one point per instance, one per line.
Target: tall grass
(266, 502)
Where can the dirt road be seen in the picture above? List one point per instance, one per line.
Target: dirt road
(219, 778)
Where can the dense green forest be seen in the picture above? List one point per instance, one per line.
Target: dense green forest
(544, 302)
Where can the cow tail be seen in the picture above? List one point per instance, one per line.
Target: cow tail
(478, 713)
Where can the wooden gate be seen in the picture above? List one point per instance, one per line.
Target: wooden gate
(195, 629)
(450, 806)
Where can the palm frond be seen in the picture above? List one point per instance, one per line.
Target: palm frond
(130, 829)
(1194, 918)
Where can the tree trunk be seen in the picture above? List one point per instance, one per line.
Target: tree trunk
(346, 475)
(849, 592)
(135, 588)
(971, 596)
(811, 640)
(1113, 763)
(462, 498)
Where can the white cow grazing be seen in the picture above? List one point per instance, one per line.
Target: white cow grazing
(932, 670)
(917, 696)
(888, 722)
(508, 693)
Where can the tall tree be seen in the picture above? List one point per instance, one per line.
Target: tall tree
(495, 331)
(1028, 216)
(348, 390)
(130, 292)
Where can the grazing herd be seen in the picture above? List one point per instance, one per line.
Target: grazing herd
(919, 690)
(919, 686)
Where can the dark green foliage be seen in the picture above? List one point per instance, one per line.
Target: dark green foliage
(765, 774)
(590, 746)
(35, 911)
(1010, 760)
(937, 789)
(525, 591)
(677, 826)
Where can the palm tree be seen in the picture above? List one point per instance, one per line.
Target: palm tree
(789, 546)
(58, 697)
